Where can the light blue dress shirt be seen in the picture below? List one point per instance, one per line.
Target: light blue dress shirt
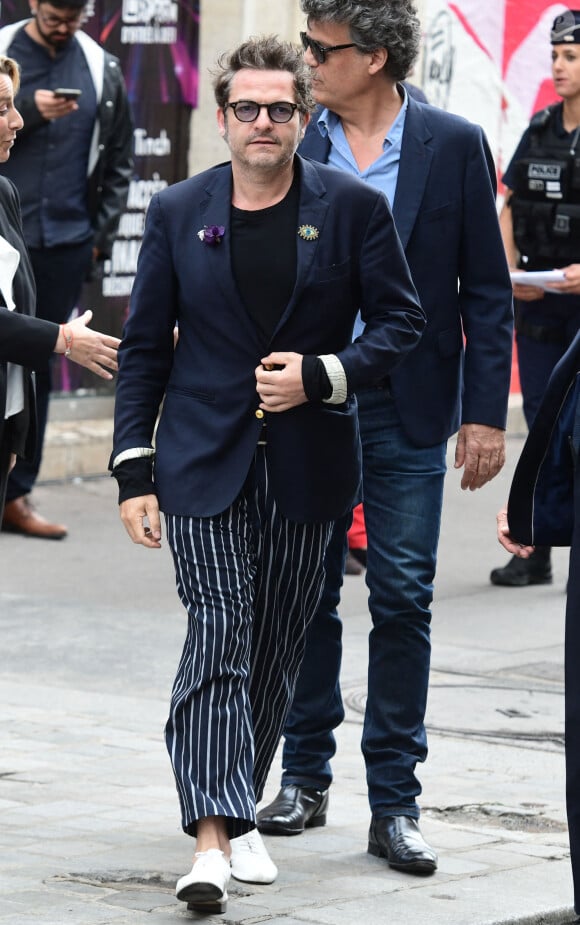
(382, 173)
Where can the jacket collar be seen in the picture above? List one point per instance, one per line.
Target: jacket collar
(414, 165)
(215, 209)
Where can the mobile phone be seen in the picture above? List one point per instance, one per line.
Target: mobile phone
(67, 93)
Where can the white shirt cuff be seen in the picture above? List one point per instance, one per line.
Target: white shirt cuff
(136, 453)
(336, 374)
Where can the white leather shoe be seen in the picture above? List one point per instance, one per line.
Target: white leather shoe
(250, 859)
(204, 887)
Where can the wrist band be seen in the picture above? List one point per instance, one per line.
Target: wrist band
(68, 339)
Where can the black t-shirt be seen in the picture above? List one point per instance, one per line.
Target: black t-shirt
(264, 258)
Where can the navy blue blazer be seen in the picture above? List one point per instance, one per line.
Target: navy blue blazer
(541, 500)
(209, 425)
(446, 217)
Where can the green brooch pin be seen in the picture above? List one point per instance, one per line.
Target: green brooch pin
(308, 232)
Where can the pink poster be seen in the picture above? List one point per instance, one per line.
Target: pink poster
(157, 43)
(490, 62)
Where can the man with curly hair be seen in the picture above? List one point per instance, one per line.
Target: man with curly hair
(438, 174)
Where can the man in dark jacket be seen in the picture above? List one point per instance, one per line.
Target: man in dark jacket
(72, 170)
(544, 509)
(436, 170)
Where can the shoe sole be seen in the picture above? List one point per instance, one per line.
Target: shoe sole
(35, 536)
(211, 907)
(200, 892)
(423, 868)
(521, 584)
(275, 828)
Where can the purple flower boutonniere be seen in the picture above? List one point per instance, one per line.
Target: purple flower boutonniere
(211, 234)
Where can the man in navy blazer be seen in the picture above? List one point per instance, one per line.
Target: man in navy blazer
(438, 173)
(262, 263)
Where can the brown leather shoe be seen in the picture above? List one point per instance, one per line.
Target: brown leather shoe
(20, 517)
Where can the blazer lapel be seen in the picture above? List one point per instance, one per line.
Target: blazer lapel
(414, 166)
(314, 144)
(215, 209)
(312, 212)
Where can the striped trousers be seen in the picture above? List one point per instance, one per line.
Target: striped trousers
(250, 581)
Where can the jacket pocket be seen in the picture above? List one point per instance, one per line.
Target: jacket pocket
(196, 394)
(332, 272)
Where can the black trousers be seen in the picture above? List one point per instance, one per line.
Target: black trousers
(59, 273)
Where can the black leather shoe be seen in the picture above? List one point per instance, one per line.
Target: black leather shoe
(537, 570)
(294, 809)
(399, 840)
(352, 566)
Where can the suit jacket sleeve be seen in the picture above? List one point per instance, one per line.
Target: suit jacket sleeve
(26, 341)
(485, 295)
(146, 352)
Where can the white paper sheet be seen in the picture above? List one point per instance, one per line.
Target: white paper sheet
(541, 278)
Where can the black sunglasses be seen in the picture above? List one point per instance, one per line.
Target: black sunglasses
(248, 111)
(319, 52)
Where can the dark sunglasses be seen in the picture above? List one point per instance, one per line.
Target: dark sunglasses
(319, 52)
(248, 111)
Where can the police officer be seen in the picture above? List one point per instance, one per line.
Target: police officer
(540, 224)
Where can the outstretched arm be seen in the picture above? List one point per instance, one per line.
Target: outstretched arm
(95, 351)
(28, 341)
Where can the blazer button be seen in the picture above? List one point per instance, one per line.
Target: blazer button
(259, 414)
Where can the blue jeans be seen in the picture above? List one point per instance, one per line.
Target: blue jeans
(403, 494)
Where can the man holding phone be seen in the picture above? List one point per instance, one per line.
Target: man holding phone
(72, 169)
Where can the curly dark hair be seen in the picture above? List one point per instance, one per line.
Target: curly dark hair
(390, 24)
(264, 53)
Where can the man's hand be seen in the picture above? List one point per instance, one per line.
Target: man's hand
(280, 389)
(96, 351)
(134, 511)
(507, 541)
(481, 451)
(51, 106)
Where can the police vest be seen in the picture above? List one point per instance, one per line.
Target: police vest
(546, 197)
